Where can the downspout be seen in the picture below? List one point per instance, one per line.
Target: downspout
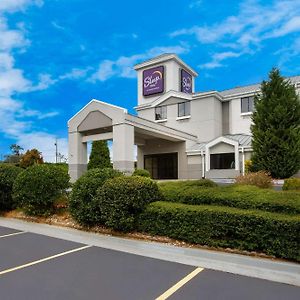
(203, 164)
(243, 161)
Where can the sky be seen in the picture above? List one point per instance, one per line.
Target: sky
(57, 55)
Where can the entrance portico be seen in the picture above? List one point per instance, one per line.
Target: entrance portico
(103, 121)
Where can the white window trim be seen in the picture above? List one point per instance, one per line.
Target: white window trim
(161, 121)
(226, 141)
(249, 113)
(183, 117)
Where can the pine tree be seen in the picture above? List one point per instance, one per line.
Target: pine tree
(99, 157)
(276, 127)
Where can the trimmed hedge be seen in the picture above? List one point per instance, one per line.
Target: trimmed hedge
(291, 184)
(84, 189)
(38, 187)
(122, 199)
(273, 234)
(8, 175)
(141, 172)
(239, 196)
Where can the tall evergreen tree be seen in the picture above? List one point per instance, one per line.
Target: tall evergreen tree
(276, 127)
(99, 157)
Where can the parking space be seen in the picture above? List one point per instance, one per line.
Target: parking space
(7, 231)
(33, 266)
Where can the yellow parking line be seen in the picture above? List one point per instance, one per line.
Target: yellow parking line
(179, 284)
(42, 260)
(11, 234)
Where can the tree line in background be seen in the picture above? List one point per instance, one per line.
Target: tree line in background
(23, 160)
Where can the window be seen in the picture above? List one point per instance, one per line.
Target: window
(184, 109)
(247, 104)
(162, 166)
(161, 113)
(222, 161)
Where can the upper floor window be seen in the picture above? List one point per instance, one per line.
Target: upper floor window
(161, 113)
(247, 104)
(184, 109)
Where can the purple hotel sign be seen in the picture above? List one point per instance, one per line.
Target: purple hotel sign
(186, 82)
(153, 81)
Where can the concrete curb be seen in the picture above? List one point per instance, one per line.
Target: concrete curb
(283, 272)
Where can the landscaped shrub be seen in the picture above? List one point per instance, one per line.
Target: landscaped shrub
(36, 188)
(291, 184)
(84, 189)
(141, 172)
(248, 166)
(122, 199)
(8, 174)
(260, 179)
(216, 226)
(240, 196)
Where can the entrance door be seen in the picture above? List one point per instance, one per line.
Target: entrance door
(162, 166)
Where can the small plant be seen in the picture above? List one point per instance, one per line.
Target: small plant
(260, 179)
(122, 199)
(84, 189)
(8, 175)
(141, 172)
(248, 166)
(38, 187)
(291, 184)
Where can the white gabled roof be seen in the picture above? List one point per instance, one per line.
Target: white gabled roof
(244, 140)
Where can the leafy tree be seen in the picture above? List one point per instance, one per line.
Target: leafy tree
(16, 155)
(30, 158)
(99, 157)
(276, 128)
(16, 149)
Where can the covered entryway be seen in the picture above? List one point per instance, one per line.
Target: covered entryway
(102, 121)
(162, 166)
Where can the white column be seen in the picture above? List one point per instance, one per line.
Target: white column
(123, 148)
(77, 156)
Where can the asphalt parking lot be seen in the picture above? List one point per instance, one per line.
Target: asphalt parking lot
(34, 266)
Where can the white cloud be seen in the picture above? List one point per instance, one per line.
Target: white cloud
(10, 38)
(248, 29)
(13, 112)
(45, 143)
(15, 5)
(218, 58)
(123, 66)
(292, 25)
(286, 56)
(195, 4)
(75, 74)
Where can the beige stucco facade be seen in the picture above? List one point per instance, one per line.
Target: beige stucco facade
(211, 139)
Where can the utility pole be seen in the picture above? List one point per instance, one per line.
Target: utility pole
(56, 152)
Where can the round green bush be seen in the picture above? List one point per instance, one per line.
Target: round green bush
(81, 203)
(291, 184)
(122, 199)
(36, 188)
(8, 175)
(141, 172)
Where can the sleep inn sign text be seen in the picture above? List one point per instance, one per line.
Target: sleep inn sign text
(153, 81)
